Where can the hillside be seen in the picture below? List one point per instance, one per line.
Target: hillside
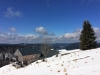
(73, 62)
(68, 46)
(56, 46)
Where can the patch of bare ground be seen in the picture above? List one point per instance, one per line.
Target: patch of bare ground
(62, 64)
(50, 69)
(59, 71)
(65, 74)
(92, 58)
(65, 69)
(85, 62)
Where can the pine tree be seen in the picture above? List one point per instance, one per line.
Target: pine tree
(87, 37)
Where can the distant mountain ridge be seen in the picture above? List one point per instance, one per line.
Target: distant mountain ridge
(68, 46)
(56, 46)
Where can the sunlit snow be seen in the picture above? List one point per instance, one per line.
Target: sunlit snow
(73, 62)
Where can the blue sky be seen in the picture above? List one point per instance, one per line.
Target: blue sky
(28, 21)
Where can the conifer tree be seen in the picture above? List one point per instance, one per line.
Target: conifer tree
(87, 37)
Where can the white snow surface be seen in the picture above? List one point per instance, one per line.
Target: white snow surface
(75, 62)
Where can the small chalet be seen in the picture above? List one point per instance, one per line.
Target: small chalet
(27, 55)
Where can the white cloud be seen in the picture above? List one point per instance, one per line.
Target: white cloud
(75, 35)
(41, 30)
(11, 13)
(12, 29)
(3, 33)
(31, 38)
(97, 32)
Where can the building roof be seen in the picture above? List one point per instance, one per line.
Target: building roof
(28, 51)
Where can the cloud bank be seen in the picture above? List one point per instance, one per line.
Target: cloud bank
(31, 38)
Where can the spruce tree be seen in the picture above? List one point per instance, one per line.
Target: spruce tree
(87, 37)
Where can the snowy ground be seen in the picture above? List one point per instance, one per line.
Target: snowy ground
(74, 62)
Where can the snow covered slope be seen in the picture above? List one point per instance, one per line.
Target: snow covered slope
(74, 62)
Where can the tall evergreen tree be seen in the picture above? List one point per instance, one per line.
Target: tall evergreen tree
(87, 37)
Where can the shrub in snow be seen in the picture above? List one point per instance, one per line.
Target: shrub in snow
(62, 65)
(65, 74)
(37, 62)
(58, 71)
(75, 60)
(65, 69)
(92, 58)
(50, 69)
(68, 66)
(56, 64)
(56, 55)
